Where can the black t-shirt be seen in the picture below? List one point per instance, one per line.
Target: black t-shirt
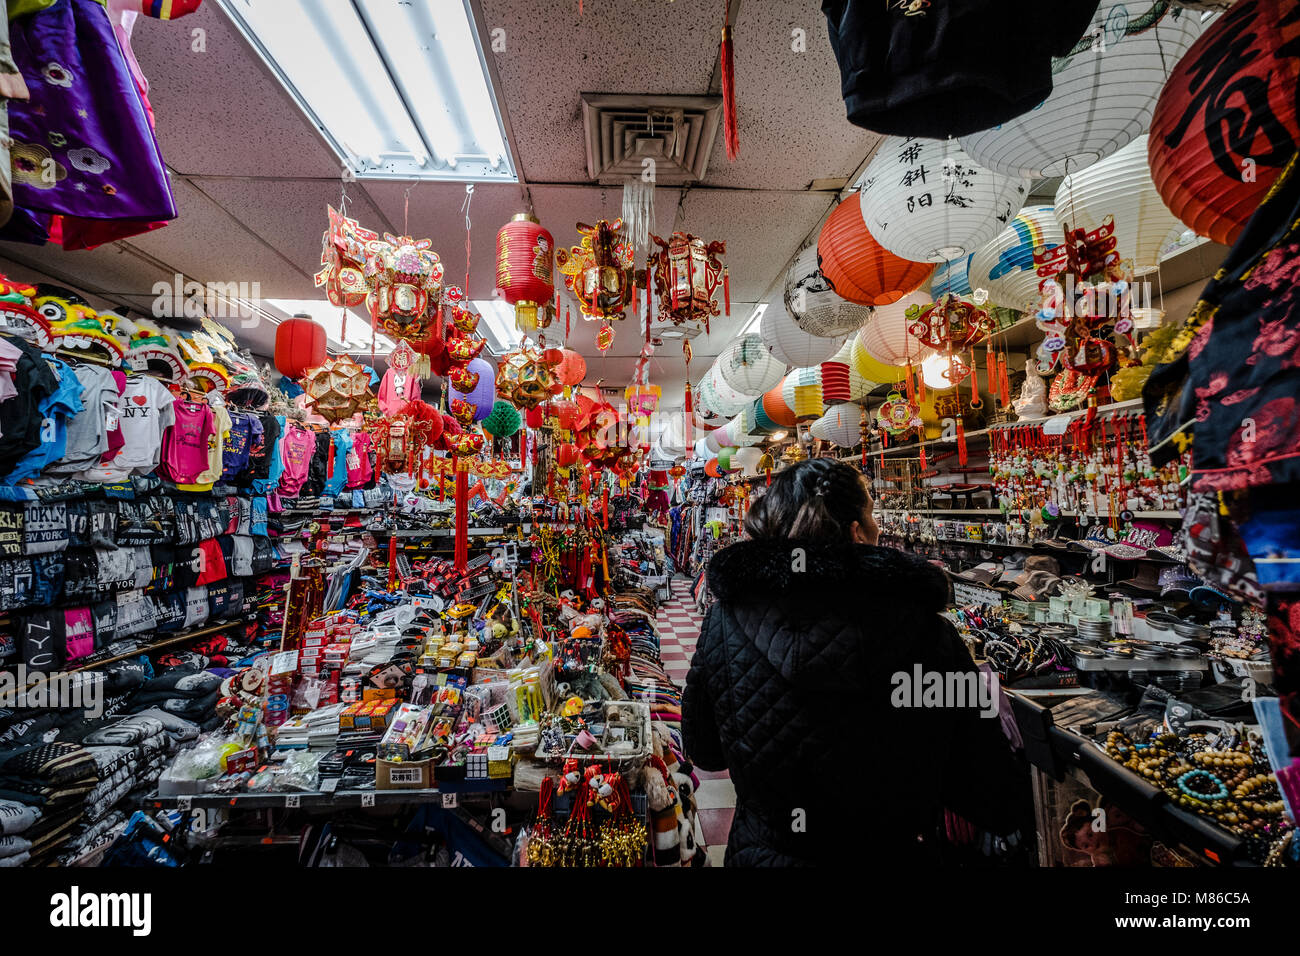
(20, 416)
(259, 458)
(940, 68)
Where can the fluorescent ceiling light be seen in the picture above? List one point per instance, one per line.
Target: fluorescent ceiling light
(400, 90)
(752, 324)
(331, 318)
(498, 321)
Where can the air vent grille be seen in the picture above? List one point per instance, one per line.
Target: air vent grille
(676, 133)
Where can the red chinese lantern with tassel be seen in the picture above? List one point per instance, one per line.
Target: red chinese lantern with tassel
(525, 271)
(835, 382)
(857, 267)
(299, 346)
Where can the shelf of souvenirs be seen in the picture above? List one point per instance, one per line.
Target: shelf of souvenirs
(1132, 404)
(958, 512)
(445, 794)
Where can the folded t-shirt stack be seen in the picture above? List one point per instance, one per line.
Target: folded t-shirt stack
(16, 820)
(183, 691)
(55, 777)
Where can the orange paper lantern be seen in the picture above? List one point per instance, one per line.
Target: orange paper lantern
(775, 407)
(1226, 124)
(859, 268)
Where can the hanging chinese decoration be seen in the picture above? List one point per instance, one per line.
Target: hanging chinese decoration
(343, 258)
(1079, 317)
(598, 272)
(525, 271)
(526, 377)
(473, 402)
(687, 274)
(897, 416)
(338, 389)
(405, 281)
(950, 326)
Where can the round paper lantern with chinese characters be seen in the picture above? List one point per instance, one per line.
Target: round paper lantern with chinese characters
(748, 366)
(791, 344)
(927, 201)
(1226, 122)
(815, 306)
(1102, 96)
(951, 277)
(1005, 266)
(300, 344)
(858, 267)
(526, 271)
(1120, 186)
(483, 395)
(886, 338)
(776, 408)
(840, 425)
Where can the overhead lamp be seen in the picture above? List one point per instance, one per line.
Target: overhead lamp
(498, 320)
(778, 436)
(399, 90)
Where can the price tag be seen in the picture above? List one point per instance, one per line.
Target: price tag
(292, 801)
(184, 802)
(137, 363)
(285, 662)
(449, 801)
(367, 799)
(1057, 425)
(330, 785)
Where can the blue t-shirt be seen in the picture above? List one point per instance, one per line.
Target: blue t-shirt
(65, 401)
(342, 439)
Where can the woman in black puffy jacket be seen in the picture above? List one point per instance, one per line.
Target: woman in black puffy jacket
(809, 685)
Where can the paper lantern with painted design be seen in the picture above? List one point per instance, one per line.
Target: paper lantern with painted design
(1005, 266)
(1102, 96)
(1226, 123)
(858, 266)
(886, 338)
(927, 201)
(951, 277)
(840, 425)
(814, 305)
(749, 367)
(1120, 186)
(725, 400)
(791, 344)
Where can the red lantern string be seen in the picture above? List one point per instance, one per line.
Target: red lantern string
(567, 316)
(726, 290)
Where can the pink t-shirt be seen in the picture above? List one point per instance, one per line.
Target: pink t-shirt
(296, 448)
(185, 449)
(359, 470)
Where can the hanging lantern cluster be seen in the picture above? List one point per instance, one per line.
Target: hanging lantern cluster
(687, 275)
(598, 272)
(857, 266)
(526, 271)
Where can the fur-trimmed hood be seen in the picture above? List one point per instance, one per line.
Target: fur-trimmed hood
(859, 574)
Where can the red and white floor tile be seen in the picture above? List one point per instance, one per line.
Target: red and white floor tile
(679, 628)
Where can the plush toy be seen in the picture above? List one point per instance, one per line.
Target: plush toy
(570, 777)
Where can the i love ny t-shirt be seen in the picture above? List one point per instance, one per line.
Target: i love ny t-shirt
(146, 413)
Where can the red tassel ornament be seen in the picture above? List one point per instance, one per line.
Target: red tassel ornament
(730, 134)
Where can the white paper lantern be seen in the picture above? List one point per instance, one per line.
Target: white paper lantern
(724, 399)
(886, 339)
(926, 200)
(716, 440)
(840, 425)
(738, 431)
(1005, 267)
(1121, 186)
(702, 449)
(791, 344)
(951, 277)
(802, 391)
(749, 367)
(813, 304)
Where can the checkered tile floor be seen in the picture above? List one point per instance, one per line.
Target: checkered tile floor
(679, 628)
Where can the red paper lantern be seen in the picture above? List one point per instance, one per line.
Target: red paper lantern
(859, 268)
(567, 455)
(525, 271)
(835, 383)
(299, 346)
(1226, 124)
(711, 468)
(775, 407)
(570, 367)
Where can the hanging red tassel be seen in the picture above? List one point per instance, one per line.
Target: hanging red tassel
(688, 410)
(392, 559)
(920, 386)
(636, 302)
(726, 291)
(730, 134)
(961, 440)
(567, 316)
(1004, 382)
(911, 384)
(604, 506)
(462, 517)
(925, 466)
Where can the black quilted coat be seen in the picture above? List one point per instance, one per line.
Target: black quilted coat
(790, 690)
